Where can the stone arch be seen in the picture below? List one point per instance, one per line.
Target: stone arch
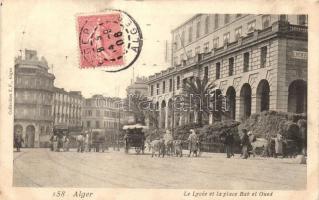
(30, 136)
(156, 112)
(170, 113)
(262, 96)
(245, 101)
(297, 96)
(231, 102)
(157, 106)
(217, 104)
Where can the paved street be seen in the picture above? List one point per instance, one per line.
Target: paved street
(43, 168)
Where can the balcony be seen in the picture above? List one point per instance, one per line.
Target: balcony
(298, 28)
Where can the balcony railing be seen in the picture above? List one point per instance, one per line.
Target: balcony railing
(298, 28)
(280, 27)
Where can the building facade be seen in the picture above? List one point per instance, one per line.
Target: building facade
(67, 109)
(99, 112)
(33, 99)
(259, 62)
(138, 86)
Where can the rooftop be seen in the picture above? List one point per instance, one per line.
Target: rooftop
(279, 28)
(31, 58)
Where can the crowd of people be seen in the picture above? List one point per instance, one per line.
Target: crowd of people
(248, 146)
(166, 145)
(61, 142)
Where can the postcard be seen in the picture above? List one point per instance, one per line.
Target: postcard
(159, 100)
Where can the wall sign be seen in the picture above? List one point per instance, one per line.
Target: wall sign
(300, 55)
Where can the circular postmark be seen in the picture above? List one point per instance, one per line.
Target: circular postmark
(111, 39)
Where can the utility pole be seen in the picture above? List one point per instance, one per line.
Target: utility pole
(173, 106)
(118, 126)
(119, 119)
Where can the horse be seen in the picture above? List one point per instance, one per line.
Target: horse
(178, 150)
(169, 147)
(80, 143)
(194, 148)
(258, 143)
(158, 146)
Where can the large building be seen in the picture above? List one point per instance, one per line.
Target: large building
(99, 112)
(67, 108)
(259, 62)
(138, 86)
(33, 99)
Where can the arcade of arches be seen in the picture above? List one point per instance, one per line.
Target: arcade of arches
(28, 134)
(34, 135)
(297, 96)
(241, 103)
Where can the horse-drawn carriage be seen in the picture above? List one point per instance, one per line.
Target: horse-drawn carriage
(98, 140)
(134, 137)
(59, 133)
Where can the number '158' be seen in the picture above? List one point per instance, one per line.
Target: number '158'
(59, 194)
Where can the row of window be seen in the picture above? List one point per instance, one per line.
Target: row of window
(251, 26)
(246, 63)
(71, 115)
(67, 106)
(170, 88)
(33, 82)
(100, 103)
(226, 39)
(98, 113)
(231, 67)
(32, 97)
(106, 124)
(67, 120)
(67, 99)
(207, 23)
(33, 113)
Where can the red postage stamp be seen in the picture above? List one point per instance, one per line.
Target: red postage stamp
(112, 40)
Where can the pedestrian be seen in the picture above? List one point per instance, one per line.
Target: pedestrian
(278, 145)
(245, 144)
(86, 142)
(267, 147)
(18, 140)
(193, 143)
(60, 141)
(55, 142)
(51, 141)
(229, 140)
(79, 140)
(252, 146)
(168, 141)
(66, 143)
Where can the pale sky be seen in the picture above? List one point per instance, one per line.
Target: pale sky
(50, 29)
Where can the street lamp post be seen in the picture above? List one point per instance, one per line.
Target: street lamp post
(118, 126)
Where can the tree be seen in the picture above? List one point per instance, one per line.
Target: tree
(201, 96)
(133, 104)
(152, 116)
(141, 108)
